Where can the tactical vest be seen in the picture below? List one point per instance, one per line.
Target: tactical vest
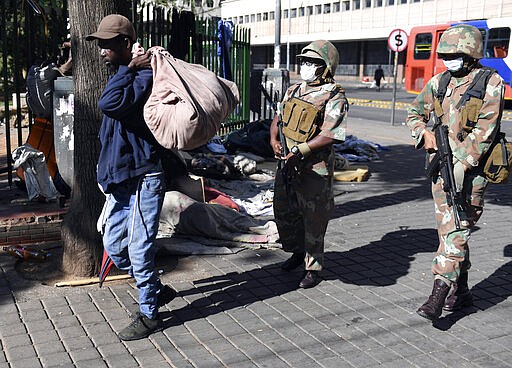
(301, 118)
(496, 163)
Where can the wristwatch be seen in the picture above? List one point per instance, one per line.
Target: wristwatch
(296, 151)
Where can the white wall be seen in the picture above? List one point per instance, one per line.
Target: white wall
(374, 22)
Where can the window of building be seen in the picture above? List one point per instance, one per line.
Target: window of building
(309, 10)
(356, 4)
(271, 15)
(247, 18)
(378, 3)
(336, 7)
(318, 9)
(415, 1)
(240, 19)
(265, 16)
(302, 11)
(285, 13)
(497, 43)
(391, 2)
(403, 1)
(293, 13)
(253, 18)
(327, 8)
(258, 17)
(367, 3)
(346, 5)
(422, 46)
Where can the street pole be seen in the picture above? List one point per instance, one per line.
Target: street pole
(277, 44)
(288, 38)
(394, 88)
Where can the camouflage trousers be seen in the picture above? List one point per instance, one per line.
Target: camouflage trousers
(452, 256)
(302, 217)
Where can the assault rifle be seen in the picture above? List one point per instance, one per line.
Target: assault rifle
(284, 147)
(442, 164)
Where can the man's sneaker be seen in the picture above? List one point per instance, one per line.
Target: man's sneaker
(165, 295)
(140, 327)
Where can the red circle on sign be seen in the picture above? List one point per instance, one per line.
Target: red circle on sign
(397, 40)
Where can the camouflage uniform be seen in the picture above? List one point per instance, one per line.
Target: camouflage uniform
(302, 217)
(452, 256)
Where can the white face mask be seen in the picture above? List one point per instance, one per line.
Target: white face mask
(453, 65)
(308, 73)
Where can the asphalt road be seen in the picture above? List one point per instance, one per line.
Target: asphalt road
(368, 104)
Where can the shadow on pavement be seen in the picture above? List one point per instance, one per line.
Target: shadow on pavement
(379, 263)
(403, 166)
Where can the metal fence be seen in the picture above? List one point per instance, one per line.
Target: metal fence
(29, 34)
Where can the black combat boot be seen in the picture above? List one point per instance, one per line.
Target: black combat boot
(433, 307)
(460, 297)
(293, 262)
(311, 279)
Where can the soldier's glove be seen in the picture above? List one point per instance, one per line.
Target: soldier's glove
(458, 173)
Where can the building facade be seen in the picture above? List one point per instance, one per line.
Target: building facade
(358, 28)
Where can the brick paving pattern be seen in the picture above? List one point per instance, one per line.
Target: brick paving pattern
(241, 310)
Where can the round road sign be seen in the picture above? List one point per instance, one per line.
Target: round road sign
(397, 40)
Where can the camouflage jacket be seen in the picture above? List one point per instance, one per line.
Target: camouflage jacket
(332, 126)
(476, 143)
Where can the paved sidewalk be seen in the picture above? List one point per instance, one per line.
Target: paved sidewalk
(242, 311)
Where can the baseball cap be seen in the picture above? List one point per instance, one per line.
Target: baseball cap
(112, 26)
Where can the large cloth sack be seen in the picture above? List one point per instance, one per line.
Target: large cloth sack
(188, 102)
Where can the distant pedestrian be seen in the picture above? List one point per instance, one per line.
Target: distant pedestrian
(472, 120)
(130, 172)
(378, 76)
(314, 117)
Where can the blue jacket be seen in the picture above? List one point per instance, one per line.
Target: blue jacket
(128, 149)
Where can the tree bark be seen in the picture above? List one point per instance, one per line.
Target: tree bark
(82, 245)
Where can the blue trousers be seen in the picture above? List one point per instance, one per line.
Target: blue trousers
(133, 213)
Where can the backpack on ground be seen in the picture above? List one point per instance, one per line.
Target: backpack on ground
(188, 102)
(497, 161)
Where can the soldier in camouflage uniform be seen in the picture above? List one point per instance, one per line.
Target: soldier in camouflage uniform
(460, 47)
(313, 114)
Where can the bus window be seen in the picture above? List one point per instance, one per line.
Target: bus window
(422, 46)
(497, 43)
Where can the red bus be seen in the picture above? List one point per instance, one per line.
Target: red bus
(422, 61)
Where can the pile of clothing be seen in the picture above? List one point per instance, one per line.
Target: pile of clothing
(358, 150)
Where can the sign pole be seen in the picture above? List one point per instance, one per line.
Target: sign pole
(397, 41)
(395, 67)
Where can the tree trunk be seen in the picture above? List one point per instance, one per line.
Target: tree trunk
(82, 246)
